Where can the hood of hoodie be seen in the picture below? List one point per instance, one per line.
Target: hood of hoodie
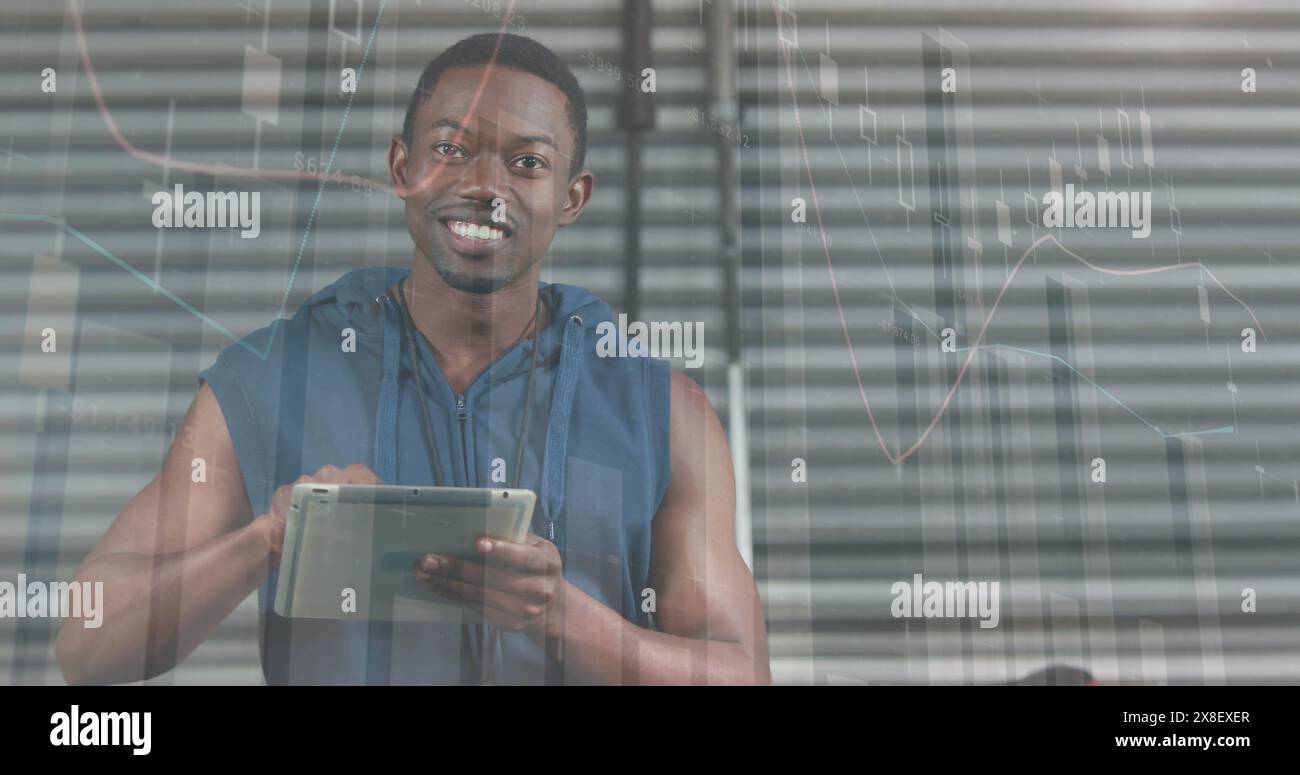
(350, 301)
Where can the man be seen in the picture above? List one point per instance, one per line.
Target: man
(636, 493)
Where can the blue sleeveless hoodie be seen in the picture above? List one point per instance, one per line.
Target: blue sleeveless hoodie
(597, 455)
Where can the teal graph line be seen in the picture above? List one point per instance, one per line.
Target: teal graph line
(311, 222)
(144, 278)
(141, 276)
(302, 246)
(1107, 393)
(311, 219)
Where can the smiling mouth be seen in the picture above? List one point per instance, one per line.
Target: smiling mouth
(476, 234)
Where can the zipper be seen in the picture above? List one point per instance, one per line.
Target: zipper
(462, 414)
(481, 658)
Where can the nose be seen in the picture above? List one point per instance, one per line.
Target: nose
(481, 180)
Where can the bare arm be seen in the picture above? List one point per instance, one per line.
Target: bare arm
(176, 540)
(710, 620)
(709, 617)
(178, 559)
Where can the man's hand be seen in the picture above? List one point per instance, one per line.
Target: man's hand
(272, 522)
(517, 587)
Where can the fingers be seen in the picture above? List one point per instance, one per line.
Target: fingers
(536, 556)
(283, 494)
(357, 473)
(501, 608)
(329, 474)
(273, 526)
(513, 585)
(531, 587)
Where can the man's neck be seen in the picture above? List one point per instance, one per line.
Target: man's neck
(467, 331)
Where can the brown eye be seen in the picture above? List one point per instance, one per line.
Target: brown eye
(537, 162)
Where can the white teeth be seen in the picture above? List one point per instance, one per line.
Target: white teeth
(476, 231)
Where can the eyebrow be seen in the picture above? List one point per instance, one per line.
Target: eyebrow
(452, 123)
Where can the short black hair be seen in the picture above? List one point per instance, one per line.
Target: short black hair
(507, 50)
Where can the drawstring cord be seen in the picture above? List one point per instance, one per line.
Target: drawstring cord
(554, 446)
(488, 659)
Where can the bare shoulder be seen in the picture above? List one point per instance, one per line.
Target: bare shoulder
(700, 454)
(691, 409)
(692, 412)
(197, 495)
(687, 392)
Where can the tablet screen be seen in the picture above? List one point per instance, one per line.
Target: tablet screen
(350, 552)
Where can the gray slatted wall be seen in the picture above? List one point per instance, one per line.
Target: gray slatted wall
(923, 196)
(1139, 579)
(228, 85)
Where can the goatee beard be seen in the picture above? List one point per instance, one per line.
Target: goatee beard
(469, 284)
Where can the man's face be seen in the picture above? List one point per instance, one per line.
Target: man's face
(508, 157)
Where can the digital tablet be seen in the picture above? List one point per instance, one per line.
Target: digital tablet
(350, 550)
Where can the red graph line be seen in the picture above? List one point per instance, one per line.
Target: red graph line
(898, 458)
(162, 160)
(168, 161)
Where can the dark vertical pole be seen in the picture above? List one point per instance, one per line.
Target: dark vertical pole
(1068, 528)
(635, 116)
(722, 88)
(949, 279)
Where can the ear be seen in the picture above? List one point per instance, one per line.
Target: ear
(577, 197)
(397, 159)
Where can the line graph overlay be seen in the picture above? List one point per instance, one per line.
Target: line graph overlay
(163, 160)
(136, 273)
(1098, 386)
(168, 162)
(311, 219)
(898, 457)
(224, 331)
